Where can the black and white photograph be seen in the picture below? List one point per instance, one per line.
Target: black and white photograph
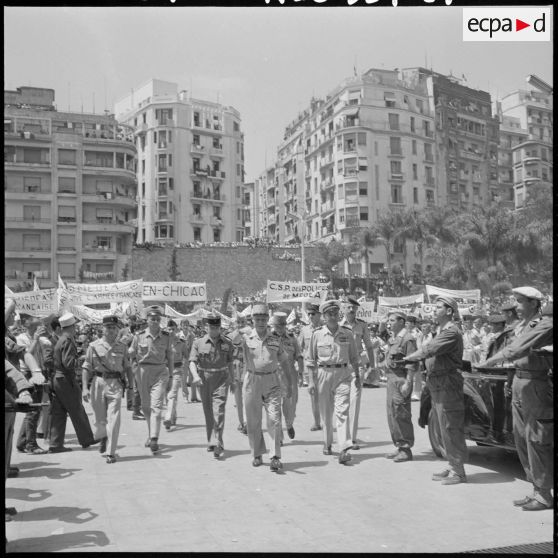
(279, 278)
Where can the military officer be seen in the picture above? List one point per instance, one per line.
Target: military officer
(106, 360)
(236, 335)
(399, 387)
(66, 396)
(313, 312)
(267, 367)
(362, 337)
(211, 366)
(278, 323)
(444, 356)
(532, 402)
(509, 310)
(152, 351)
(332, 348)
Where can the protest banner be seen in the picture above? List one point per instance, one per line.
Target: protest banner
(401, 300)
(93, 293)
(472, 295)
(290, 291)
(174, 291)
(366, 313)
(36, 303)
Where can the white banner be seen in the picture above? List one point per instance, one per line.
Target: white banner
(174, 290)
(366, 313)
(36, 303)
(92, 293)
(400, 300)
(428, 309)
(193, 317)
(459, 296)
(287, 291)
(89, 315)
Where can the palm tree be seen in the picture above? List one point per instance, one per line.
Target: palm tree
(383, 233)
(366, 242)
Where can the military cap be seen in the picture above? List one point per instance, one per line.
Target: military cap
(448, 301)
(110, 320)
(547, 309)
(528, 292)
(172, 323)
(67, 319)
(278, 318)
(496, 319)
(508, 307)
(213, 319)
(154, 311)
(411, 318)
(50, 319)
(260, 310)
(312, 308)
(398, 313)
(352, 300)
(328, 305)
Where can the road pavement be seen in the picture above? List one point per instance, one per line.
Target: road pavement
(185, 500)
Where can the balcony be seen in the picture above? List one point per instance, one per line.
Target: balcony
(13, 194)
(216, 152)
(98, 253)
(429, 182)
(21, 223)
(530, 159)
(327, 185)
(196, 218)
(350, 172)
(396, 153)
(141, 129)
(470, 155)
(207, 197)
(66, 220)
(197, 148)
(196, 171)
(216, 221)
(108, 225)
(396, 177)
(22, 253)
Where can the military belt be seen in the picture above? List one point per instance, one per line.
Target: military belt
(108, 374)
(339, 365)
(261, 373)
(531, 374)
(213, 369)
(177, 364)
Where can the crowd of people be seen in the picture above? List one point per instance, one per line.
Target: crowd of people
(56, 365)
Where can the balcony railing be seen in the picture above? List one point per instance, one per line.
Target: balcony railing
(27, 220)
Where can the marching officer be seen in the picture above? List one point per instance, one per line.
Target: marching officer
(236, 335)
(152, 351)
(313, 312)
(532, 402)
(106, 360)
(211, 366)
(362, 337)
(265, 360)
(399, 387)
(444, 356)
(66, 396)
(332, 348)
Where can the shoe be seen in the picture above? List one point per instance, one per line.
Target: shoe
(355, 446)
(393, 454)
(403, 456)
(244, 430)
(167, 425)
(275, 464)
(11, 511)
(195, 400)
(13, 472)
(210, 448)
(153, 445)
(257, 461)
(218, 451)
(35, 450)
(304, 384)
(441, 476)
(103, 446)
(138, 416)
(315, 427)
(61, 449)
(522, 502)
(281, 443)
(291, 432)
(454, 479)
(21, 449)
(415, 398)
(85, 446)
(327, 450)
(344, 457)
(147, 442)
(111, 459)
(535, 505)
(240, 427)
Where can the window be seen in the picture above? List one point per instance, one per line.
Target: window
(237, 192)
(216, 235)
(32, 184)
(197, 210)
(196, 121)
(162, 187)
(236, 126)
(415, 195)
(429, 196)
(67, 213)
(217, 212)
(351, 194)
(363, 214)
(428, 152)
(429, 176)
(393, 121)
(363, 188)
(197, 234)
(35, 155)
(104, 215)
(171, 183)
(415, 171)
(396, 196)
(31, 241)
(420, 106)
(66, 156)
(67, 270)
(66, 242)
(98, 159)
(395, 167)
(67, 185)
(163, 116)
(103, 187)
(414, 146)
(361, 138)
(395, 146)
(413, 124)
(162, 162)
(389, 99)
(103, 242)
(398, 245)
(217, 145)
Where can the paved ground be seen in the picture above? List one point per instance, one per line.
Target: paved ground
(185, 500)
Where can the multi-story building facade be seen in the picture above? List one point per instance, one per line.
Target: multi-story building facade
(532, 158)
(251, 209)
(69, 191)
(266, 192)
(190, 165)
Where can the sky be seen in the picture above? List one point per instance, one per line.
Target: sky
(267, 62)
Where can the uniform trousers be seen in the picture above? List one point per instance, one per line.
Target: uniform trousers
(354, 408)
(238, 399)
(106, 400)
(448, 402)
(213, 392)
(263, 390)
(43, 426)
(334, 386)
(66, 400)
(289, 403)
(9, 420)
(399, 413)
(533, 431)
(152, 385)
(28, 432)
(176, 385)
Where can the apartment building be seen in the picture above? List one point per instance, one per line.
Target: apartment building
(532, 157)
(266, 192)
(69, 192)
(190, 165)
(250, 205)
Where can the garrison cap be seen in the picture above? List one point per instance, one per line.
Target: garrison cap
(278, 318)
(547, 309)
(398, 313)
(449, 301)
(328, 305)
(508, 307)
(260, 310)
(154, 311)
(496, 319)
(528, 292)
(352, 301)
(312, 308)
(213, 319)
(67, 319)
(110, 320)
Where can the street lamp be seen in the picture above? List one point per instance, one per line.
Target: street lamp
(301, 217)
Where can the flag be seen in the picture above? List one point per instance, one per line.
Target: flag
(7, 291)
(291, 317)
(62, 296)
(35, 284)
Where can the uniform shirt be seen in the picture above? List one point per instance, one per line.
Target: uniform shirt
(65, 356)
(332, 348)
(209, 353)
(400, 345)
(102, 357)
(304, 337)
(12, 349)
(360, 333)
(14, 382)
(181, 348)
(444, 353)
(152, 349)
(291, 347)
(263, 355)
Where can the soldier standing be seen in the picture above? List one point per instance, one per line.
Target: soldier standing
(211, 366)
(106, 360)
(236, 336)
(152, 351)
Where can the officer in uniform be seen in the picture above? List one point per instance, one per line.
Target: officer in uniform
(66, 396)
(181, 346)
(152, 351)
(106, 360)
(399, 387)
(236, 335)
(332, 348)
(444, 355)
(278, 323)
(509, 310)
(265, 360)
(313, 312)
(211, 366)
(188, 336)
(362, 337)
(532, 402)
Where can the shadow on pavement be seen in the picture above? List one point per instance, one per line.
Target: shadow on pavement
(49, 473)
(141, 457)
(27, 494)
(65, 514)
(431, 456)
(365, 445)
(55, 543)
(294, 466)
(303, 443)
(186, 426)
(169, 449)
(31, 464)
(234, 453)
(487, 478)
